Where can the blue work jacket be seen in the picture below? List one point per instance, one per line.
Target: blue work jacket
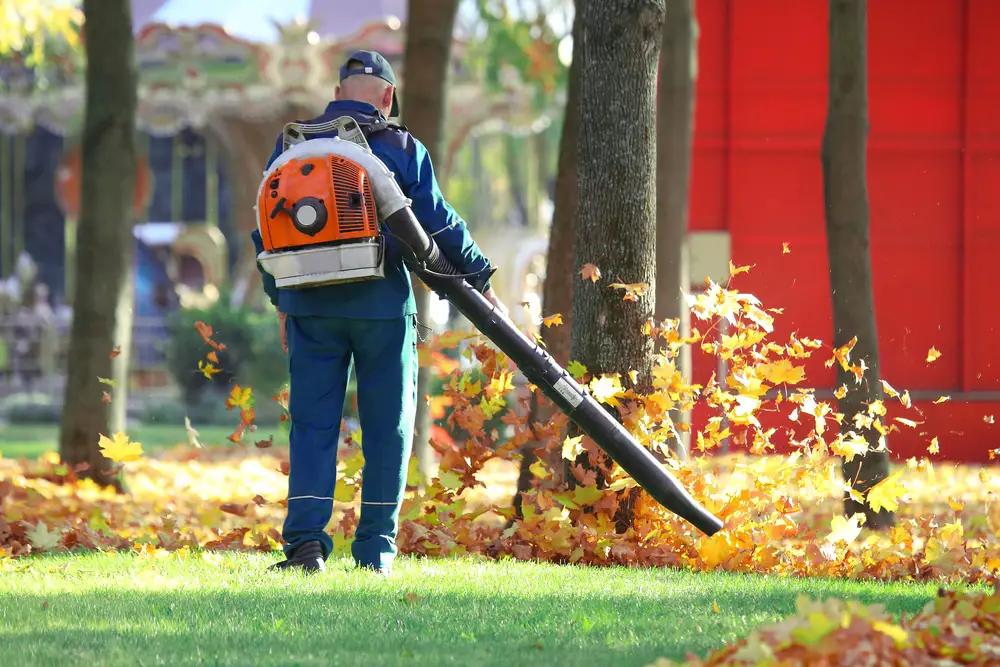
(391, 296)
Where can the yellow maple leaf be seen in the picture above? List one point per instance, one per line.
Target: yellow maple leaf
(743, 411)
(845, 530)
(886, 493)
(469, 388)
(501, 384)
(849, 445)
(632, 290)
(933, 354)
(714, 550)
(784, 248)
(119, 448)
(782, 371)
(539, 469)
(553, 320)
(241, 398)
(933, 448)
(842, 354)
(735, 270)
(607, 389)
(572, 447)
(208, 370)
(941, 399)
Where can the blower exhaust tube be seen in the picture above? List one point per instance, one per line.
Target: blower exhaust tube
(542, 370)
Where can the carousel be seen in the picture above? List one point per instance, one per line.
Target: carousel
(210, 105)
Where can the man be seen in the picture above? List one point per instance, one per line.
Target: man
(371, 324)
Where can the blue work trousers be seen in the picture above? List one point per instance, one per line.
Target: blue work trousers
(384, 354)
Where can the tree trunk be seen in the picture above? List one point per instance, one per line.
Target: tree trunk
(429, 28)
(557, 291)
(675, 132)
(616, 220)
(104, 240)
(514, 154)
(845, 192)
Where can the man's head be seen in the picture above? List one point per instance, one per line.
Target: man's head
(368, 77)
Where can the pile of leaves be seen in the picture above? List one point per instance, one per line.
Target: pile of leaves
(782, 514)
(957, 628)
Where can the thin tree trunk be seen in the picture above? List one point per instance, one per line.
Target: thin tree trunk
(616, 221)
(557, 291)
(516, 181)
(104, 240)
(429, 28)
(845, 192)
(675, 133)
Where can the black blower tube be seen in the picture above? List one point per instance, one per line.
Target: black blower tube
(541, 369)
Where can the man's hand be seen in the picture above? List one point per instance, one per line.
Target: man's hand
(495, 300)
(283, 328)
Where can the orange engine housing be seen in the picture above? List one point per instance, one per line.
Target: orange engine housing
(316, 201)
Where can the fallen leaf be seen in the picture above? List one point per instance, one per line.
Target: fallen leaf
(119, 448)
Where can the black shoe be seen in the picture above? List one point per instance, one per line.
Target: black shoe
(308, 557)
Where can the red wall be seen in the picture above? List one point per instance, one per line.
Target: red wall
(934, 190)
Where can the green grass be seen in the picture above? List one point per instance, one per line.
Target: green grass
(125, 610)
(31, 441)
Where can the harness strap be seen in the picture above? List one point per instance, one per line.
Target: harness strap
(346, 127)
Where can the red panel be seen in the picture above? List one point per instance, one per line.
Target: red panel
(983, 197)
(708, 168)
(933, 169)
(779, 110)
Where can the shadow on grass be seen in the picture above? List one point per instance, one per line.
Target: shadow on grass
(332, 619)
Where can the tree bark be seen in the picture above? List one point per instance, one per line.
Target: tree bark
(557, 291)
(104, 241)
(429, 28)
(616, 220)
(845, 192)
(675, 134)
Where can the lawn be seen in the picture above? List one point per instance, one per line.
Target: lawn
(224, 609)
(31, 441)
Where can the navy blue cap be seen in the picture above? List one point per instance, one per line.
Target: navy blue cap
(375, 64)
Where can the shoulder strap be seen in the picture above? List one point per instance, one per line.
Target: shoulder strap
(346, 127)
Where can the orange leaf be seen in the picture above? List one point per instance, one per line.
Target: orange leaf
(590, 271)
